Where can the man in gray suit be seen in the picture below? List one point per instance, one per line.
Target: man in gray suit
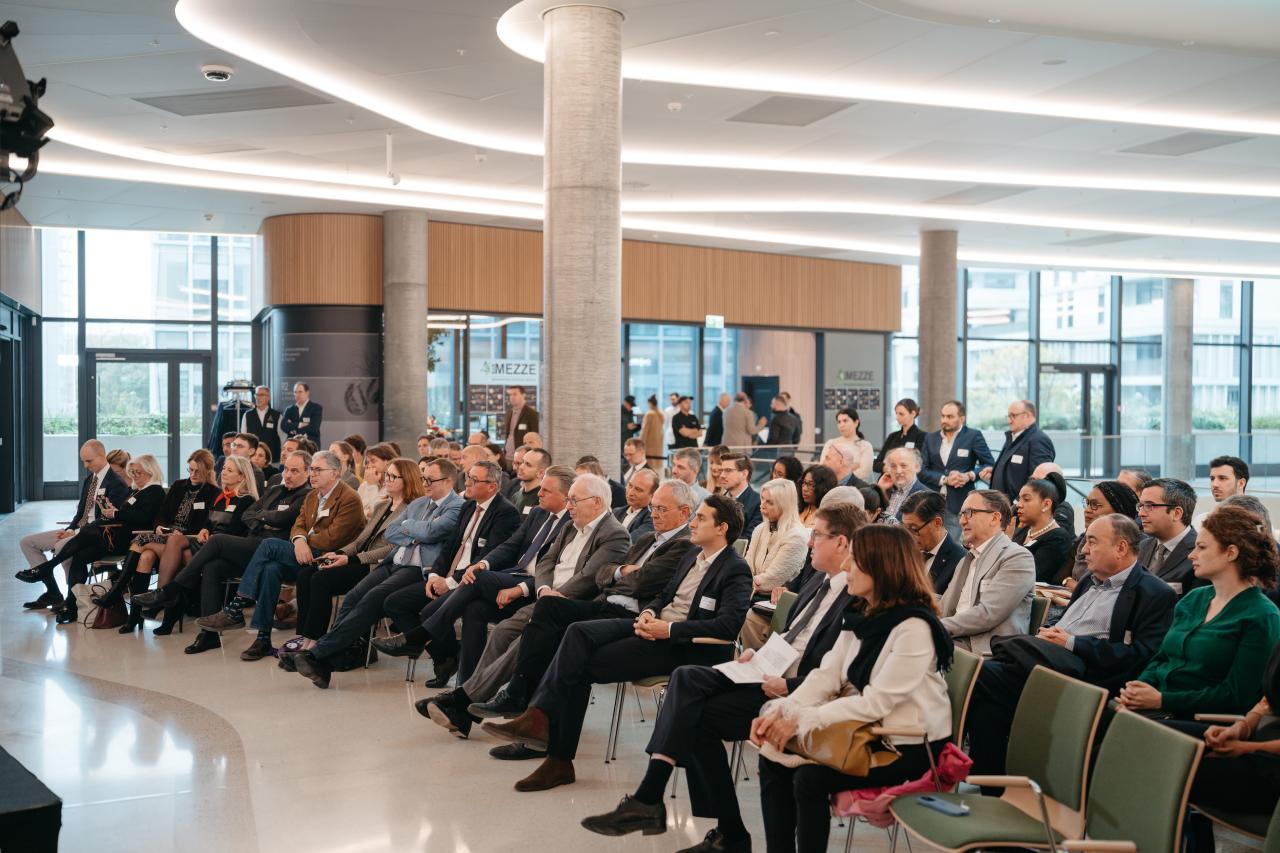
(1165, 508)
(990, 592)
(739, 422)
(594, 540)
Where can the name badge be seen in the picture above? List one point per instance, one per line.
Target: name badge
(1128, 638)
(1177, 588)
(282, 507)
(707, 603)
(480, 543)
(1016, 459)
(270, 424)
(962, 452)
(132, 501)
(911, 445)
(527, 510)
(102, 490)
(324, 513)
(198, 505)
(304, 422)
(523, 426)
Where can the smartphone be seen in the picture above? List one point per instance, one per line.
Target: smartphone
(945, 806)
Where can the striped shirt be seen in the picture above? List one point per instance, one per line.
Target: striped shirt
(1090, 615)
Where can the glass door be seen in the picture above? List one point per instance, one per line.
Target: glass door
(149, 402)
(1077, 409)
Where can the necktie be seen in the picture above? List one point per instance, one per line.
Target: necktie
(927, 555)
(1158, 558)
(462, 544)
(810, 609)
(535, 546)
(90, 494)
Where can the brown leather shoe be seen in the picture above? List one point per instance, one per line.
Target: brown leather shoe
(551, 773)
(530, 728)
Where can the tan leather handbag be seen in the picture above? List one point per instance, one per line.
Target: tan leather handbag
(848, 747)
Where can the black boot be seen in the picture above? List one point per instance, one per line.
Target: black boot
(134, 622)
(173, 614)
(123, 582)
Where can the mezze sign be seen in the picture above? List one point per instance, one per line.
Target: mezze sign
(504, 371)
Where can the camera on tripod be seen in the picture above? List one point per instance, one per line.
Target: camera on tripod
(24, 128)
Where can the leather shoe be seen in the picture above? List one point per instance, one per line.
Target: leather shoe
(630, 815)
(515, 752)
(153, 598)
(444, 670)
(456, 696)
(67, 614)
(551, 773)
(285, 660)
(46, 600)
(204, 641)
(311, 667)
(31, 575)
(257, 650)
(220, 622)
(502, 705)
(397, 647)
(453, 718)
(529, 728)
(717, 842)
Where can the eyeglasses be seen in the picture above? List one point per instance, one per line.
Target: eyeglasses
(818, 534)
(390, 476)
(315, 468)
(915, 531)
(1096, 506)
(431, 482)
(576, 501)
(655, 509)
(1147, 506)
(473, 481)
(966, 514)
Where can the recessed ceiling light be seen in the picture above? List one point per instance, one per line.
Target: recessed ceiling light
(1189, 43)
(1054, 62)
(462, 51)
(770, 33)
(993, 20)
(675, 107)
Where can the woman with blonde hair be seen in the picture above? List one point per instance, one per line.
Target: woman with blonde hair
(119, 461)
(776, 553)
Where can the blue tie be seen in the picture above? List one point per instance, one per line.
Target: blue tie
(535, 546)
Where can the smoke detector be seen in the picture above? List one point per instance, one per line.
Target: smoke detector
(217, 73)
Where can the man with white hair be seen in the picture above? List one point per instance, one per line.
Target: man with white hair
(901, 478)
(839, 458)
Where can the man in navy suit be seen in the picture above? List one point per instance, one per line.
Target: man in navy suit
(733, 476)
(707, 597)
(922, 515)
(901, 478)
(952, 457)
(304, 416)
(1025, 447)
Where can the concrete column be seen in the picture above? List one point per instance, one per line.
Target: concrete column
(938, 356)
(582, 233)
(1179, 445)
(404, 339)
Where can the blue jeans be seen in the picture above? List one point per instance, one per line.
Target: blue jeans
(272, 564)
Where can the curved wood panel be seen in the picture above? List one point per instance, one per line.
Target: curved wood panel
(322, 259)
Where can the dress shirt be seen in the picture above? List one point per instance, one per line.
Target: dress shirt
(549, 524)
(970, 592)
(944, 451)
(1161, 556)
(678, 609)
(1090, 616)
(91, 505)
(836, 584)
(626, 478)
(896, 498)
(569, 554)
(658, 540)
(1014, 436)
(262, 417)
(468, 540)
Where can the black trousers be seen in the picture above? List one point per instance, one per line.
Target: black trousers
(222, 558)
(794, 800)
(316, 588)
(552, 616)
(995, 697)
(86, 546)
(474, 604)
(604, 651)
(364, 604)
(702, 709)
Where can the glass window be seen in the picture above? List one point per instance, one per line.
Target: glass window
(1075, 306)
(1266, 391)
(719, 366)
(235, 278)
(661, 361)
(1217, 311)
(61, 401)
(910, 301)
(235, 353)
(999, 302)
(147, 336)
(1266, 310)
(1141, 382)
(1215, 388)
(145, 275)
(905, 371)
(1055, 352)
(442, 394)
(60, 272)
(1143, 315)
(997, 375)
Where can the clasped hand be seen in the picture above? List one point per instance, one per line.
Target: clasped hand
(650, 627)
(1140, 696)
(774, 728)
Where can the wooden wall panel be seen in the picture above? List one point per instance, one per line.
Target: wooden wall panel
(19, 260)
(481, 269)
(322, 259)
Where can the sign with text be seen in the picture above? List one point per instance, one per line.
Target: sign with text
(504, 371)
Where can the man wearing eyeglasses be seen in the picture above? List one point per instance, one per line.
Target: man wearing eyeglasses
(1165, 508)
(990, 592)
(1025, 447)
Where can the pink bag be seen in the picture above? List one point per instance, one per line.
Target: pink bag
(873, 803)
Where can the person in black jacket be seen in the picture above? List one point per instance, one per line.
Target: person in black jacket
(1025, 447)
(908, 435)
(1040, 533)
(304, 416)
(923, 514)
(263, 421)
(707, 597)
(784, 426)
(704, 706)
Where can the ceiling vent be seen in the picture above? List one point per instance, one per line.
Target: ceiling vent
(980, 194)
(1187, 143)
(234, 101)
(1100, 240)
(791, 111)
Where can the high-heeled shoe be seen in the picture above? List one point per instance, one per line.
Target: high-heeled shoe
(134, 622)
(172, 616)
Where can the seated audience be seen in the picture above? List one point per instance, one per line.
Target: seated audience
(634, 457)
(861, 454)
(814, 485)
(635, 516)
(360, 446)
(225, 556)
(924, 516)
(533, 439)
(376, 460)
(788, 468)
(900, 479)
(707, 597)
(776, 554)
(714, 455)
(440, 447)
(686, 464)
(424, 445)
(704, 707)
(1117, 618)
(990, 594)
(887, 667)
(1040, 533)
(531, 466)
(1228, 476)
(1165, 508)
(347, 454)
(1135, 478)
(262, 460)
(331, 517)
(841, 459)
(591, 465)
(1063, 512)
(734, 479)
(1105, 498)
(907, 435)
(874, 500)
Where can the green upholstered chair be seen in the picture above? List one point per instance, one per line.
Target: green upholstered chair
(786, 601)
(1039, 609)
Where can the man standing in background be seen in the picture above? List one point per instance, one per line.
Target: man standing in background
(264, 422)
(304, 416)
(519, 420)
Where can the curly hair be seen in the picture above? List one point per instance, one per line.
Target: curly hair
(1258, 559)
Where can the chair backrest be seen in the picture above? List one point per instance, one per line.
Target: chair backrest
(1271, 844)
(961, 679)
(1140, 785)
(740, 546)
(1052, 734)
(1039, 610)
(780, 613)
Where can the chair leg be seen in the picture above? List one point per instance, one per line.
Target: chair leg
(615, 722)
(893, 838)
(410, 669)
(675, 782)
(848, 839)
(639, 705)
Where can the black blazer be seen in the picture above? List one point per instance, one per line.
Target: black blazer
(506, 555)
(913, 440)
(720, 602)
(948, 556)
(1143, 614)
(975, 457)
(1019, 458)
(715, 427)
(640, 525)
(496, 526)
(267, 429)
(1177, 566)
(784, 428)
(749, 500)
(173, 501)
(651, 578)
(115, 489)
(291, 420)
(140, 509)
(827, 631)
(266, 520)
(618, 494)
(1052, 552)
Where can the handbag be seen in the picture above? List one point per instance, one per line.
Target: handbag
(111, 616)
(848, 747)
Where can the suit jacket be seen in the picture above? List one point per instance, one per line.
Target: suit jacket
(505, 557)
(526, 422)
(344, 516)
(784, 428)
(948, 556)
(649, 579)
(720, 602)
(749, 500)
(112, 486)
(739, 426)
(1141, 618)
(617, 494)
(640, 525)
(139, 510)
(1019, 458)
(1177, 566)
(1002, 603)
(497, 524)
(424, 528)
(266, 428)
(968, 453)
(266, 520)
(608, 544)
(291, 420)
(824, 635)
(715, 427)
(916, 486)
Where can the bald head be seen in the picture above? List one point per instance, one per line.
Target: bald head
(93, 455)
